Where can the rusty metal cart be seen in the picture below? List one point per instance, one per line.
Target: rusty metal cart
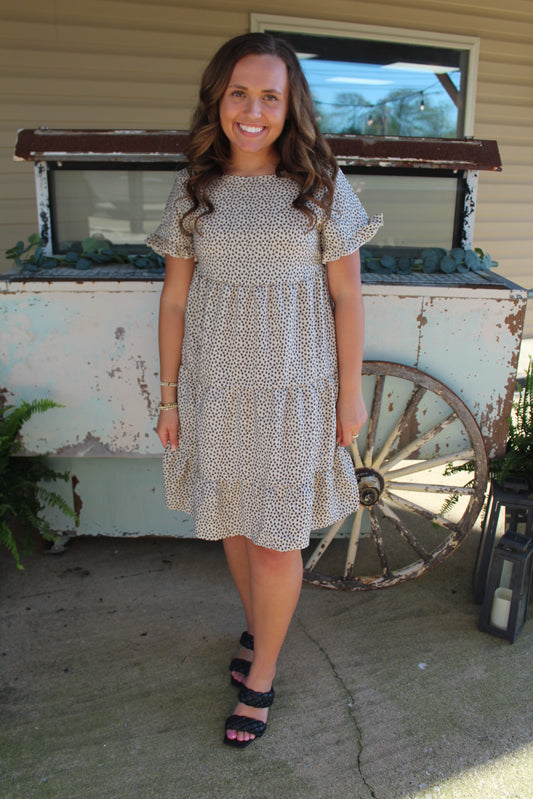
(441, 353)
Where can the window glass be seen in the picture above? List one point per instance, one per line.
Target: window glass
(383, 88)
(123, 205)
(420, 211)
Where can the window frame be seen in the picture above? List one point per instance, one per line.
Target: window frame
(259, 23)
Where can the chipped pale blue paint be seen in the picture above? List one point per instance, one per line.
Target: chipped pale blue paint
(93, 348)
(117, 498)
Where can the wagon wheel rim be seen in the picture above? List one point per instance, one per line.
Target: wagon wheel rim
(397, 446)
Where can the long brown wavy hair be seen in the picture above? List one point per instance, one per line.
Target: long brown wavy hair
(305, 155)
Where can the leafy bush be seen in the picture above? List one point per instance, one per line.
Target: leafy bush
(22, 497)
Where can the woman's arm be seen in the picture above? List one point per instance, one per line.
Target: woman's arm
(178, 276)
(344, 281)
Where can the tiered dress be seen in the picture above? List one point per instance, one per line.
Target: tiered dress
(258, 382)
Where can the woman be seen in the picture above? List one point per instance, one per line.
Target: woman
(261, 380)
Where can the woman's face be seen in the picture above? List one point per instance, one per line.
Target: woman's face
(255, 105)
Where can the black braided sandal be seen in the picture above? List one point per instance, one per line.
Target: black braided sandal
(245, 723)
(239, 664)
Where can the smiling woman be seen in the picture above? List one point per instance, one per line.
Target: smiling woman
(260, 377)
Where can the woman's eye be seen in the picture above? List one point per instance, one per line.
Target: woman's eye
(237, 93)
(271, 98)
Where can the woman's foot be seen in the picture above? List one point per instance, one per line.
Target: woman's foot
(250, 716)
(240, 666)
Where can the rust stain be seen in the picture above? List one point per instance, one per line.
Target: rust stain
(515, 321)
(422, 319)
(142, 383)
(494, 421)
(77, 500)
(91, 445)
(120, 332)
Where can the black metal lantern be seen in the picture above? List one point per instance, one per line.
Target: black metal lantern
(518, 508)
(505, 605)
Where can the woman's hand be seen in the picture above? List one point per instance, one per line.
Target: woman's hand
(168, 426)
(351, 416)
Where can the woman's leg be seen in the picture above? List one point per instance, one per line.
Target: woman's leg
(275, 585)
(236, 553)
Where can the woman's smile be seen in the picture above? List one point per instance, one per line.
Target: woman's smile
(253, 129)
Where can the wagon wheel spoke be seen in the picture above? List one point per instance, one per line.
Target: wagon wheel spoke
(356, 455)
(421, 466)
(380, 546)
(400, 425)
(432, 488)
(354, 543)
(436, 518)
(419, 442)
(406, 534)
(420, 501)
(373, 419)
(324, 544)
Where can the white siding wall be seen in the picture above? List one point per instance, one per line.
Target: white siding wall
(109, 64)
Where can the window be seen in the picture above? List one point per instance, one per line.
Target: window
(115, 184)
(122, 203)
(367, 80)
(422, 208)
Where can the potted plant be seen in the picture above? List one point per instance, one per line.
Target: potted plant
(22, 494)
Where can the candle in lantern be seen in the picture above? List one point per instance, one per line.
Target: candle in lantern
(501, 606)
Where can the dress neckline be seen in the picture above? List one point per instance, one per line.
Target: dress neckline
(248, 177)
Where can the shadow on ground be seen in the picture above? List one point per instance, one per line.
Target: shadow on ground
(115, 685)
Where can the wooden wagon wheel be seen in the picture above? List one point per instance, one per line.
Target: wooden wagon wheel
(417, 430)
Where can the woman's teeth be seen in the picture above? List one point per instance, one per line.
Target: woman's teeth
(250, 128)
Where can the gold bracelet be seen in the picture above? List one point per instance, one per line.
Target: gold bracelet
(169, 383)
(167, 406)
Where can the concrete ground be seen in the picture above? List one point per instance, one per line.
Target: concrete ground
(115, 684)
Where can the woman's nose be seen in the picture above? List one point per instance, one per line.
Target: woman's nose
(253, 106)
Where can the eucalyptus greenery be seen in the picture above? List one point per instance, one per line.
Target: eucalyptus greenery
(430, 261)
(95, 251)
(98, 251)
(22, 495)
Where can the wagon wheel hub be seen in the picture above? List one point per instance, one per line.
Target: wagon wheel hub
(371, 484)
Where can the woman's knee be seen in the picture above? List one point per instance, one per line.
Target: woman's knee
(273, 559)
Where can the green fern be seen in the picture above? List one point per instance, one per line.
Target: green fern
(22, 495)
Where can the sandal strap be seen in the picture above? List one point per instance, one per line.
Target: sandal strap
(240, 665)
(246, 724)
(255, 698)
(247, 640)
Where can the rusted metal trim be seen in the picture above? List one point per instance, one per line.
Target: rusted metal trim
(171, 145)
(101, 145)
(389, 151)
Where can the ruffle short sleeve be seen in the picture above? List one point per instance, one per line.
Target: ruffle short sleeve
(348, 227)
(169, 238)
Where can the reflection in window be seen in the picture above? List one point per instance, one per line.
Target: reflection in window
(123, 205)
(370, 87)
(420, 211)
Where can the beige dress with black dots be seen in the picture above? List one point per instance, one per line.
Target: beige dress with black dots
(257, 385)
